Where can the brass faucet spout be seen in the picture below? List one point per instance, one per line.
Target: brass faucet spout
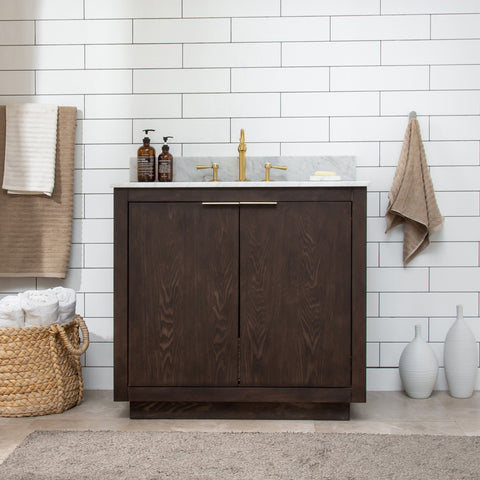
(242, 148)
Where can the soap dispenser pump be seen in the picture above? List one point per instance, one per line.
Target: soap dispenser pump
(165, 163)
(146, 160)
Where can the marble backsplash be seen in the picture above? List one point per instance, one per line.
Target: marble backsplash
(298, 168)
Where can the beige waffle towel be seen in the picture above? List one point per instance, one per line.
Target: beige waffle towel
(35, 230)
(411, 198)
(31, 139)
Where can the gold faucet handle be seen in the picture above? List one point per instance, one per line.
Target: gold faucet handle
(269, 166)
(214, 166)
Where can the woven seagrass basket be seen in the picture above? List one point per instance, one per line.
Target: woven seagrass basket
(40, 370)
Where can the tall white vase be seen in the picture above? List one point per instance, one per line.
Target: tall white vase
(460, 358)
(418, 367)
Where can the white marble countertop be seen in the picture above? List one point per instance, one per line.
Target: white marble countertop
(272, 184)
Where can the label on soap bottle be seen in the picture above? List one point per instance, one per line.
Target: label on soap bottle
(165, 171)
(146, 168)
(164, 167)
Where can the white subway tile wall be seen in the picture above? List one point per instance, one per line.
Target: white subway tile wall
(17, 33)
(302, 77)
(83, 32)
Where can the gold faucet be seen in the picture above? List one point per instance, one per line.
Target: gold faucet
(214, 166)
(269, 166)
(242, 148)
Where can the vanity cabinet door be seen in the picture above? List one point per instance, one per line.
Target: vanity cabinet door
(183, 294)
(295, 294)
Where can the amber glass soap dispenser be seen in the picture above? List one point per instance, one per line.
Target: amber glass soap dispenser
(165, 163)
(146, 160)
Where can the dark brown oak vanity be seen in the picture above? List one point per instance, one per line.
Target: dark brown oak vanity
(240, 302)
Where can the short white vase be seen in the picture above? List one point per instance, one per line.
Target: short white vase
(460, 358)
(418, 367)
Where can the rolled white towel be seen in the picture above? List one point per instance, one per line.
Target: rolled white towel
(11, 313)
(40, 307)
(67, 302)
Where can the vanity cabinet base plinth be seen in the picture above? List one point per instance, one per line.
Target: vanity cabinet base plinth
(250, 411)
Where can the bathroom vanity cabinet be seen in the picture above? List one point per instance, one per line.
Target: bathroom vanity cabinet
(243, 302)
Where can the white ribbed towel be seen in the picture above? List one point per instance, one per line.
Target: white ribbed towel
(11, 313)
(30, 148)
(40, 307)
(67, 301)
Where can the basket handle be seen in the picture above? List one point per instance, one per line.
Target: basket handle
(66, 340)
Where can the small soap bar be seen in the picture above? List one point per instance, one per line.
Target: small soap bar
(325, 173)
(324, 178)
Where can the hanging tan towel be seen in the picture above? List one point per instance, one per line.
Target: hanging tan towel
(411, 198)
(36, 231)
(30, 143)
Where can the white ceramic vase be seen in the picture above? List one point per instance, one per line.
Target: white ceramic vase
(460, 358)
(418, 367)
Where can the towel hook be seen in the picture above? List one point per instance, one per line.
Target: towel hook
(412, 114)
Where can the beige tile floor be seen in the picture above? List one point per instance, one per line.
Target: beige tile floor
(384, 412)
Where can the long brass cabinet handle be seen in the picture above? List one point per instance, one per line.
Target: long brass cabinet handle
(239, 203)
(258, 203)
